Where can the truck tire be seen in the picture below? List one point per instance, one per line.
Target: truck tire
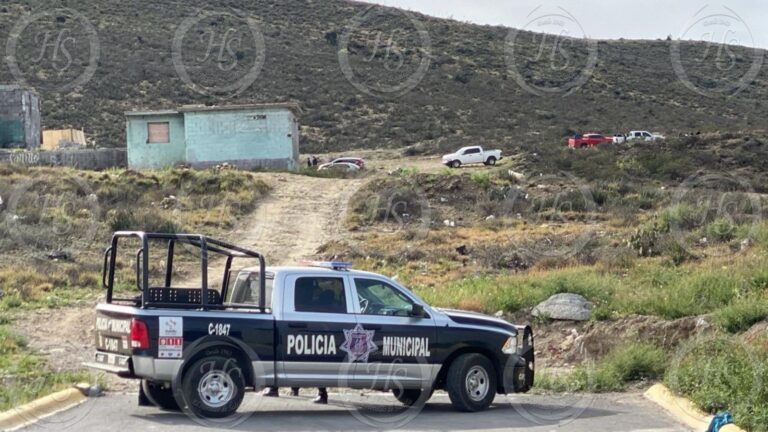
(409, 397)
(471, 383)
(159, 395)
(491, 161)
(214, 386)
(456, 164)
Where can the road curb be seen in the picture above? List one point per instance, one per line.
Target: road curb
(683, 409)
(31, 412)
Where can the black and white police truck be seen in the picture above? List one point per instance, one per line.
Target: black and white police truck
(320, 325)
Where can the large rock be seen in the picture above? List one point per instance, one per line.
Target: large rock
(567, 307)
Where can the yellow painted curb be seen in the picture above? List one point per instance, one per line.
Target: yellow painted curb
(683, 409)
(27, 414)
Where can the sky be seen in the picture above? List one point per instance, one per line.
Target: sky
(736, 22)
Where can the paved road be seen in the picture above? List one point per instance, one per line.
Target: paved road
(582, 413)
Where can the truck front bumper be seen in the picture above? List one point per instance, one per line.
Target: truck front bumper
(520, 370)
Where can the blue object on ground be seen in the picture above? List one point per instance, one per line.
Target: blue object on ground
(719, 421)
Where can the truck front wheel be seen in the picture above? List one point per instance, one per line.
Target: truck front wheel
(456, 164)
(160, 395)
(491, 161)
(471, 383)
(214, 386)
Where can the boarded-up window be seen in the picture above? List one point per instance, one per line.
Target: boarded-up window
(158, 133)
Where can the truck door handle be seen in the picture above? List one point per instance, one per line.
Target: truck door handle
(297, 325)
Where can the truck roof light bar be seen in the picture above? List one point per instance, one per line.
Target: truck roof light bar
(333, 265)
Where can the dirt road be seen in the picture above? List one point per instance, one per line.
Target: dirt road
(299, 216)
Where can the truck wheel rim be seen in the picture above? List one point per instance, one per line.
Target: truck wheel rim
(216, 389)
(477, 383)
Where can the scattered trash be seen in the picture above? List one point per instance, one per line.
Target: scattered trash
(449, 223)
(58, 255)
(169, 202)
(499, 314)
(720, 420)
(491, 217)
(516, 175)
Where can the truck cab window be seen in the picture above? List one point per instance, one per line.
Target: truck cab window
(379, 298)
(243, 289)
(320, 295)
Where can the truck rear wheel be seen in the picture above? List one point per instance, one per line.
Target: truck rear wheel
(471, 382)
(214, 386)
(160, 395)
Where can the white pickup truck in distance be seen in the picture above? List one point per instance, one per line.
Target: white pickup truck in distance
(472, 155)
(644, 135)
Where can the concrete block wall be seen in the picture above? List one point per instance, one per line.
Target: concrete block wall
(87, 159)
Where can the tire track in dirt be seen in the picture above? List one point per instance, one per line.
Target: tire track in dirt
(300, 215)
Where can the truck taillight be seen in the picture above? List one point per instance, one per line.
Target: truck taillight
(139, 334)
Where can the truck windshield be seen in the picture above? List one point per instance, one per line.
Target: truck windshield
(243, 289)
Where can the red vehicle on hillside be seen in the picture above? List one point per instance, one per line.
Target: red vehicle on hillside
(588, 140)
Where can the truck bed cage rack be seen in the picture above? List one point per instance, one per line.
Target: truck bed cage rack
(188, 297)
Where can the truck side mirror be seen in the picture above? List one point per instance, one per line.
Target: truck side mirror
(417, 310)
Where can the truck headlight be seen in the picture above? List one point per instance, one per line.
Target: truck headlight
(510, 346)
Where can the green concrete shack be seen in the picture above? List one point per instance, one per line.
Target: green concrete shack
(246, 136)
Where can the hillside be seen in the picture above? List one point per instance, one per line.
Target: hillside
(467, 94)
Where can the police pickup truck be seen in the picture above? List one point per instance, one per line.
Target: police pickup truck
(323, 325)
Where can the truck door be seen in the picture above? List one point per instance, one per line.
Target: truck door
(401, 353)
(474, 155)
(316, 312)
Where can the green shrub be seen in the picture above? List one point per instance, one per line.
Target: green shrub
(723, 374)
(720, 230)
(482, 179)
(633, 362)
(742, 314)
(150, 221)
(681, 216)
